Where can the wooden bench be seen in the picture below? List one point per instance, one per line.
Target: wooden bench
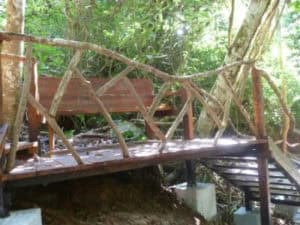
(76, 100)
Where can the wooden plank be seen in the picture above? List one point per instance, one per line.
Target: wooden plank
(278, 201)
(247, 178)
(176, 150)
(245, 184)
(284, 162)
(235, 167)
(262, 158)
(77, 99)
(22, 145)
(247, 172)
(288, 194)
(236, 164)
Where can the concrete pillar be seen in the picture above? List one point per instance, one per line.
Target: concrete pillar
(23, 217)
(244, 217)
(201, 198)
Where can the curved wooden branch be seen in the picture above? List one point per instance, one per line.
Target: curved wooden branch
(178, 119)
(104, 111)
(52, 123)
(21, 109)
(171, 131)
(158, 98)
(143, 110)
(114, 55)
(64, 83)
(240, 106)
(114, 80)
(207, 108)
(217, 102)
(281, 100)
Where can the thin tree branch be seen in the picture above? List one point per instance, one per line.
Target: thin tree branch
(7, 36)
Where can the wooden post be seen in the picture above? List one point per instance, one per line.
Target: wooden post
(51, 139)
(3, 133)
(263, 154)
(188, 129)
(34, 119)
(4, 201)
(1, 88)
(188, 126)
(248, 200)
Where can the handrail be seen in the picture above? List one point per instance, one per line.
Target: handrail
(195, 93)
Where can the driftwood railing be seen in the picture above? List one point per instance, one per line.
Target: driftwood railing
(194, 93)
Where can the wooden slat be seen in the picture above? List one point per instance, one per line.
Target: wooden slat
(142, 155)
(242, 167)
(23, 145)
(278, 201)
(292, 194)
(248, 172)
(275, 186)
(248, 178)
(285, 163)
(77, 99)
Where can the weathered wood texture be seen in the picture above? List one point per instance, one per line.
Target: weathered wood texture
(77, 98)
(109, 159)
(21, 109)
(3, 133)
(104, 111)
(285, 163)
(52, 122)
(262, 159)
(7, 36)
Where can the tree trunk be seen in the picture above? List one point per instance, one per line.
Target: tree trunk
(11, 69)
(248, 44)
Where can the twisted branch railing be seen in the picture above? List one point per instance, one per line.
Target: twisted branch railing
(193, 93)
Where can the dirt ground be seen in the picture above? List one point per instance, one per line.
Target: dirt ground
(131, 198)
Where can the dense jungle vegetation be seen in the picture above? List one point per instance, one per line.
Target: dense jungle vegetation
(176, 36)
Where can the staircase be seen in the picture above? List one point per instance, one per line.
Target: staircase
(242, 172)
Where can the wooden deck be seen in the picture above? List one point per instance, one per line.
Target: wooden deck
(108, 159)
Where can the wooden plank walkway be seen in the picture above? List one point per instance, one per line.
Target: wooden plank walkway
(243, 172)
(109, 159)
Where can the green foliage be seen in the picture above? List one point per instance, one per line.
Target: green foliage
(129, 131)
(176, 36)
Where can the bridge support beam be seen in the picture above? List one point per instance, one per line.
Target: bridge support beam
(263, 153)
(264, 189)
(190, 173)
(188, 129)
(4, 201)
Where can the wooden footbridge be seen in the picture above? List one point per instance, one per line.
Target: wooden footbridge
(256, 165)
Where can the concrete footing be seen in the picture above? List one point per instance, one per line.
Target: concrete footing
(23, 217)
(201, 198)
(292, 212)
(244, 217)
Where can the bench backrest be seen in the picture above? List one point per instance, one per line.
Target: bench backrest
(77, 100)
